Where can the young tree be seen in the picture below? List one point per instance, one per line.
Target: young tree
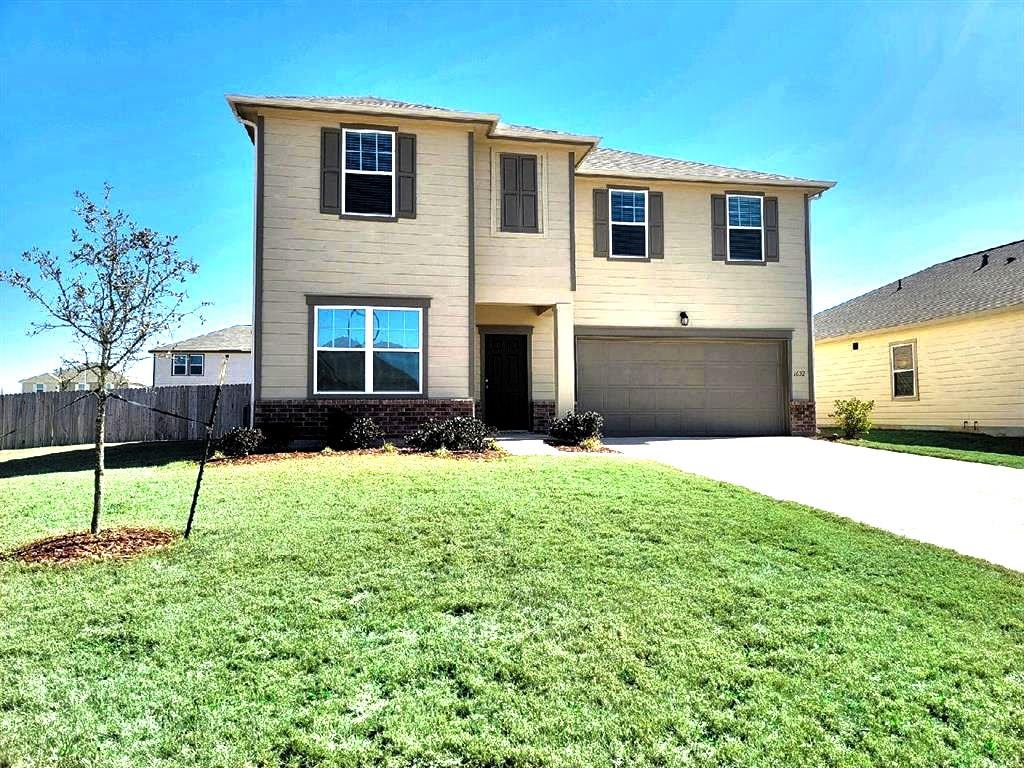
(117, 287)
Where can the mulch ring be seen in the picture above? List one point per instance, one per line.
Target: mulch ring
(263, 458)
(108, 544)
(578, 449)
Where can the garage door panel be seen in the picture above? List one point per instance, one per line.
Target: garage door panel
(683, 387)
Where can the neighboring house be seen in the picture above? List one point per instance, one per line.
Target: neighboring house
(72, 379)
(198, 360)
(940, 349)
(414, 261)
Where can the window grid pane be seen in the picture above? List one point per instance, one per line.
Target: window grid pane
(368, 151)
(341, 328)
(396, 329)
(744, 212)
(627, 207)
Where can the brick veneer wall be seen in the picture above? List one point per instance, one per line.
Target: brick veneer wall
(802, 418)
(542, 413)
(397, 417)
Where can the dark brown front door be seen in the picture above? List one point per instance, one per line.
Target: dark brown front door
(506, 394)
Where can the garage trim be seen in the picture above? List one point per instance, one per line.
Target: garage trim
(784, 335)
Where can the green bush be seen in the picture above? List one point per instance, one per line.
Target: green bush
(574, 428)
(461, 433)
(853, 416)
(240, 441)
(364, 433)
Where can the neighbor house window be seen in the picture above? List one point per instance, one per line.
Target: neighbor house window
(628, 222)
(746, 233)
(367, 350)
(81, 387)
(39, 387)
(904, 370)
(368, 188)
(187, 365)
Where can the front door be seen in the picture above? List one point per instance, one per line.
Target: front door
(506, 391)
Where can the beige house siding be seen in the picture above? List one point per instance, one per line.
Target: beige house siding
(968, 369)
(542, 344)
(713, 293)
(29, 385)
(239, 369)
(522, 267)
(307, 252)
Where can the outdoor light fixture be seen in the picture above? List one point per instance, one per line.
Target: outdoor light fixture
(684, 319)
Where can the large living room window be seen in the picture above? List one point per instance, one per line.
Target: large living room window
(746, 232)
(368, 350)
(628, 222)
(368, 188)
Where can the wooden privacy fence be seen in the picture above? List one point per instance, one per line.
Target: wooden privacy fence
(37, 419)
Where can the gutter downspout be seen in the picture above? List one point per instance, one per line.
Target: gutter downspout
(255, 184)
(810, 311)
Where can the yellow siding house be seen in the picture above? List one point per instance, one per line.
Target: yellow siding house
(940, 349)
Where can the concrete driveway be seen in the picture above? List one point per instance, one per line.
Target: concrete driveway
(975, 509)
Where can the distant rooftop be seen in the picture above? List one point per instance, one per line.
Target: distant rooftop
(596, 162)
(986, 280)
(236, 338)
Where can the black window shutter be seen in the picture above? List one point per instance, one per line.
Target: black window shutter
(405, 176)
(330, 170)
(528, 192)
(655, 225)
(511, 204)
(771, 229)
(601, 223)
(719, 238)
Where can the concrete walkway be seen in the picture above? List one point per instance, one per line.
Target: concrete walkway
(975, 509)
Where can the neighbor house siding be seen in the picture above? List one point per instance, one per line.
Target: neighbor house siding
(239, 370)
(522, 267)
(968, 369)
(308, 252)
(714, 294)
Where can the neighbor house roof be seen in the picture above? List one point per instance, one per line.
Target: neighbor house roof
(986, 280)
(46, 374)
(373, 105)
(617, 162)
(236, 338)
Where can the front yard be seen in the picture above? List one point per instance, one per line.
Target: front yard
(397, 611)
(964, 446)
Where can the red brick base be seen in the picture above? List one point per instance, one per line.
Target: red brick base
(397, 417)
(802, 418)
(542, 413)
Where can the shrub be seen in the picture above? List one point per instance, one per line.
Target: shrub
(389, 448)
(461, 433)
(591, 444)
(364, 433)
(240, 441)
(574, 428)
(853, 416)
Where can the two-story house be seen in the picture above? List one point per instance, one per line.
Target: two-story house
(413, 261)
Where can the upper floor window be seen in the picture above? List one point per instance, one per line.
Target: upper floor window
(367, 350)
(187, 365)
(745, 228)
(519, 193)
(369, 177)
(628, 222)
(903, 358)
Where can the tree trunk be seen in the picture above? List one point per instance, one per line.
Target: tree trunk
(101, 429)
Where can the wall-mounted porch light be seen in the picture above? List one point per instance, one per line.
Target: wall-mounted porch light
(684, 319)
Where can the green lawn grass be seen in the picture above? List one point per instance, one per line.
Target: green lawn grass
(965, 446)
(416, 611)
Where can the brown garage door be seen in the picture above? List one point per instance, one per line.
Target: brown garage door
(676, 388)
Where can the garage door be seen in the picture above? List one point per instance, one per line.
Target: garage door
(676, 388)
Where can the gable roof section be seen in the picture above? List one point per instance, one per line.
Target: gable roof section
(236, 338)
(617, 162)
(986, 280)
(373, 105)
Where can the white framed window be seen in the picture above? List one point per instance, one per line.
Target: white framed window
(627, 223)
(368, 173)
(188, 365)
(80, 387)
(903, 362)
(38, 387)
(745, 219)
(367, 350)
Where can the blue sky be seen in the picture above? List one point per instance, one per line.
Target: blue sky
(917, 110)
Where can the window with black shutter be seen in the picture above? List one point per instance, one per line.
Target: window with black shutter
(518, 193)
(368, 187)
(745, 227)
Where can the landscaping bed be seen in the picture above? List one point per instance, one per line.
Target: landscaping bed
(108, 544)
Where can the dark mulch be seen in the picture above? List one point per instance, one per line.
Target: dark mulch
(262, 458)
(577, 448)
(108, 544)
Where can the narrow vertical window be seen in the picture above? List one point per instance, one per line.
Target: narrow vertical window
(628, 223)
(368, 188)
(746, 230)
(904, 370)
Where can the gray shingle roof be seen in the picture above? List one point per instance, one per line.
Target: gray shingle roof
(237, 338)
(617, 162)
(985, 280)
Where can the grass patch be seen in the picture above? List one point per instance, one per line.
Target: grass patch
(964, 446)
(408, 610)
